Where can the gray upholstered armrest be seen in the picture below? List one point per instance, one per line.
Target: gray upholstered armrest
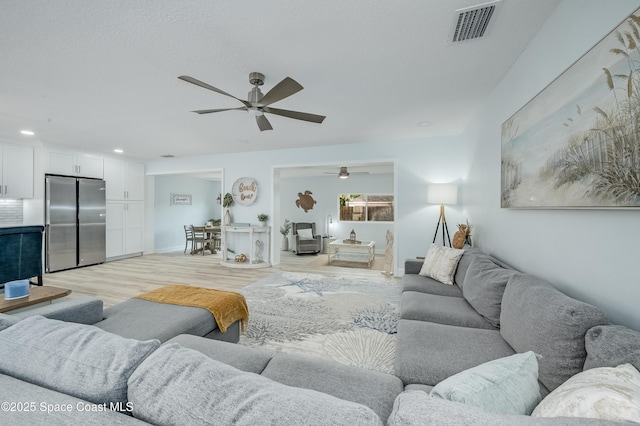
(82, 310)
(413, 266)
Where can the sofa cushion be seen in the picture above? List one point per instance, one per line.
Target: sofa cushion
(416, 408)
(484, 286)
(503, 386)
(77, 359)
(469, 254)
(440, 309)
(143, 320)
(414, 282)
(7, 321)
(612, 345)
(46, 407)
(177, 385)
(373, 389)
(428, 353)
(601, 393)
(253, 360)
(537, 317)
(440, 263)
(82, 310)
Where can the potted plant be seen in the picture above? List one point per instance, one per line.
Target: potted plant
(284, 230)
(226, 203)
(262, 218)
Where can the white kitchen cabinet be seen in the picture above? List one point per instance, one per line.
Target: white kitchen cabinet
(124, 228)
(75, 164)
(16, 171)
(125, 180)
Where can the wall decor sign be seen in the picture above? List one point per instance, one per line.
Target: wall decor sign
(180, 200)
(576, 144)
(245, 191)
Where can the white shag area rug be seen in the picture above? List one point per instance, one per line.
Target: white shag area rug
(352, 321)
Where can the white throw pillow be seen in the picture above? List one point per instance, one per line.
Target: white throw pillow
(440, 263)
(601, 393)
(305, 233)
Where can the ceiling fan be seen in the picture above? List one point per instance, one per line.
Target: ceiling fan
(344, 173)
(257, 104)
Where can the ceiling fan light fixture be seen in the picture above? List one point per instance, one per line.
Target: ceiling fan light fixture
(255, 112)
(343, 173)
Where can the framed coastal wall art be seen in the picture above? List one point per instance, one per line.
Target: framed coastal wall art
(577, 143)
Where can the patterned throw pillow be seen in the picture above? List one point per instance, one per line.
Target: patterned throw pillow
(602, 393)
(440, 263)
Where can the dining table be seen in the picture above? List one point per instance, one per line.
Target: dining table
(211, 237)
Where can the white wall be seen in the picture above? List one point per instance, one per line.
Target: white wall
(589, 254)
(418, 162)
(326, 190)
(170, 220)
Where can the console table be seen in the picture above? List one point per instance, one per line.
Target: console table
(363, 252)
(253, 242)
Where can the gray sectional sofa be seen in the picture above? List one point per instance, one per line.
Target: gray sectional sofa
(490, 312)
(71, 372)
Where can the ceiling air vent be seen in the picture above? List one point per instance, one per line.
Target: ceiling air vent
(167, 156)
(472, 22)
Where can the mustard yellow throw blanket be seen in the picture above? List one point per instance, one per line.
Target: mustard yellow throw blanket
(227, 307)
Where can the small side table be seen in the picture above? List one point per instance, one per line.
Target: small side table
(325, 244)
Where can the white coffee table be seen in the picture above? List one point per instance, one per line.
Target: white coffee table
(363, 252)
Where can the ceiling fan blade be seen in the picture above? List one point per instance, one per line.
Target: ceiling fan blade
(304, 116)
(208, 86)
(263, 123)
(284, 89)
(209, 111)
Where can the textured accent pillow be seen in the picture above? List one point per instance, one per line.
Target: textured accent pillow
(440, 263)
(484, 286)
(176, 385)
(76, 359)
(504, 386)
(612, 345)
(602, 393)
(305, 233)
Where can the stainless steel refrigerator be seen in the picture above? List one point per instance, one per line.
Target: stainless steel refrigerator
(75, 222)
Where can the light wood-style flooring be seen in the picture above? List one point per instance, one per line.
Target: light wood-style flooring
(116, 281)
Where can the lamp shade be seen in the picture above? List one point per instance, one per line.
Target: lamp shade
(442, 193)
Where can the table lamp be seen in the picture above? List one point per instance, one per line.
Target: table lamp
(442, 193)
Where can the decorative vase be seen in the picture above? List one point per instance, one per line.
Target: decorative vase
(263, 223)
(227, 218)
(285, 243)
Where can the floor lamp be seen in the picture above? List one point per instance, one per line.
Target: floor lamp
(442, 193)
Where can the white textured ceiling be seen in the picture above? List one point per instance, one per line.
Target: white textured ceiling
(96, 75)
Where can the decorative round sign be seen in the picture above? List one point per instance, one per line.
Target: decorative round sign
(245, 191)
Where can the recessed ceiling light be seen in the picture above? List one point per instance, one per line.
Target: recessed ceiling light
(118, 151)
(424, 123)
(27, 132)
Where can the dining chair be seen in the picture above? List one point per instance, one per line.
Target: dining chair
(188, 234)
(202, 239)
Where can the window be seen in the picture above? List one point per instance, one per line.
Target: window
(366, 208)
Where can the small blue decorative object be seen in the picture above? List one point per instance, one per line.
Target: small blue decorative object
(16, 289)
